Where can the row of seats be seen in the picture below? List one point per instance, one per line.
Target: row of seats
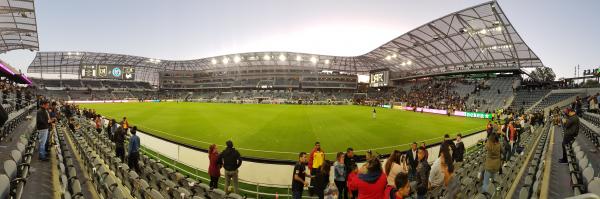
(98, 165)
(582, 172)
(16, 169)
(153, 180)
(69, 181)
(14, 120)
(533, 180)
(590, 126)
(552, 99)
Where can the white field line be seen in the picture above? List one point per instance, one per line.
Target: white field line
(285, 152)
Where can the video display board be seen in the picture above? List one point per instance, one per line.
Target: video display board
(108, 72)
(592, 72)
(379, 78)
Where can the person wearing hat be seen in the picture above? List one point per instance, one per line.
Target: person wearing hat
(571, 125)
(231, 160)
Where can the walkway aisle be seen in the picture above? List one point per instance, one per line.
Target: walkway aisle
(560, 179)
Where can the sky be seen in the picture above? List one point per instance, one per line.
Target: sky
(562, 33)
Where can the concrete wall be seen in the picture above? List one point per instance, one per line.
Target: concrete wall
(251, 172)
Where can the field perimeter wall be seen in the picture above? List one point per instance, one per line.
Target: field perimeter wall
(278, 175)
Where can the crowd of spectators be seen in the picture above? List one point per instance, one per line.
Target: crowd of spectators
(402, 174)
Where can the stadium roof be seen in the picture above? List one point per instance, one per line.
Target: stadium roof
(18, 29)
(477, 37)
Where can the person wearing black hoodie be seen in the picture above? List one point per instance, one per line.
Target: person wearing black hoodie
(120, 143)
(231, 160)
(422, 176)
(322, 179)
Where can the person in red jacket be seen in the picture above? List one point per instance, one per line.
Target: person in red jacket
(214, 169)
(371, 181)
(352, 176)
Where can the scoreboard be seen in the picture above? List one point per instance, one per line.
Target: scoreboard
(379, 78)
(108, 72)
(592, 72)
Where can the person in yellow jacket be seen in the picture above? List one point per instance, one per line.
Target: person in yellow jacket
(125, 123)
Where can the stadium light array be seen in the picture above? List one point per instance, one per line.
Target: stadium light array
(225, 60)
(282, 57)
(237, 59)
(267, 57)
(72, 53)
(154, 61)
(298, 58)
(313, 60)
(213, 61)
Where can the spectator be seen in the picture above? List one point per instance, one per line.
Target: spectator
(392, 167)
(426, 152)
(315, 160)
(512, 137)
(352, 177)
(214, 169)
(125, 123)
(113, 129)
(42, 126)
(571, 125)
(489, 129)
(492, 160)
(448, 143)
(349, 160)
(322, 179)
(422, 176)
(72, 124)
(403, 164)
(401, 190)
(311, 158)
(120, 143)
(451, 182)
(134, 150)
(3, 116)
(231, 160)
(460, 149)
(298, 178)
(577, 106)
(340, 176)
(436, 177)
(371, 181)
(413, 160)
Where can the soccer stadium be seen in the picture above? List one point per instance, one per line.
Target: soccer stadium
(458, 107)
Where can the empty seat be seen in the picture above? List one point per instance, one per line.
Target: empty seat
(594, 186)
(234, 196)
(76, 189)
(153, 193)
(216, 193)
(524, 193)
(4, 186)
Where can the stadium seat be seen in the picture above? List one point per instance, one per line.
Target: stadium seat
(216, 193)
(4, 186)
(234, 196)
(594, 186)
(153, 193)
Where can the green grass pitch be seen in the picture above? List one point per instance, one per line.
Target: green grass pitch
(281, 131)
